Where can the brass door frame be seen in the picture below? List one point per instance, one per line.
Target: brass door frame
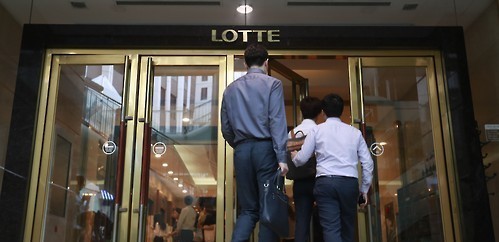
(45, 120)
(142, 114)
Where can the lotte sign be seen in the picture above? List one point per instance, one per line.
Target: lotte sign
(231, 35)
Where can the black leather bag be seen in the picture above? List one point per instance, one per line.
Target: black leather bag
(306, 171)
(275, 206)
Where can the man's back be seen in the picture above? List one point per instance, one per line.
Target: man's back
(337, 147)
(254, 124)
(252, 108)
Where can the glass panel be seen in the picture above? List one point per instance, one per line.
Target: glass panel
(291, 97)
(83, 163)
(405, 189)
(184, 145)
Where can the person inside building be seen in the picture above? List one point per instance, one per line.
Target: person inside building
(159, 226)
(209, 223)
(174, 221)
(186, 223)
(338, 148)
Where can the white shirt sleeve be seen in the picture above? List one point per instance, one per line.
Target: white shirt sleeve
(367, 164)
(307, 149)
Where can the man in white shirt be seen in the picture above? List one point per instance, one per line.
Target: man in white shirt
(186, 221)
(338, 148)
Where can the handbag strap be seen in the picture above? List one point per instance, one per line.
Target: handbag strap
(279, 181)
(293, 134)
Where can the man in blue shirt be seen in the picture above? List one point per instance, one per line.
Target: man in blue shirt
(338, 148)
(254, 124)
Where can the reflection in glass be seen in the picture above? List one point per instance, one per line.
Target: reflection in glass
(184, 119)
(405, 188)
(82, 177)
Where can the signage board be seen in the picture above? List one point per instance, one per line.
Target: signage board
(492, 132)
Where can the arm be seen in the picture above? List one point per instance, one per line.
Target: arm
(307, 149)
(181, 220)
(367, 164)
(227, 131)
(277, 124)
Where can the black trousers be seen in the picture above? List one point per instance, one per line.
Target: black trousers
(336, 198)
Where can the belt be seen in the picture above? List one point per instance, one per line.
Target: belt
(253, 140)
(334, 176)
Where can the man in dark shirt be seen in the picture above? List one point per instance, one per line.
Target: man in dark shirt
(254, 124)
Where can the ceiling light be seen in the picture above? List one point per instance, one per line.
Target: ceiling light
(170, 172)
(165, 164)
(244, 9)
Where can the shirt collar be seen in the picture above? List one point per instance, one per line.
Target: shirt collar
(255, 70)
(332, 119)
(308, 121)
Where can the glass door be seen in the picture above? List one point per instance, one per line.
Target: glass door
(179, 162)
(79, 149)
(397, 108)
(295, 89)
(124, 142)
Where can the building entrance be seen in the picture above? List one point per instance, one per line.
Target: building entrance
(126, 139)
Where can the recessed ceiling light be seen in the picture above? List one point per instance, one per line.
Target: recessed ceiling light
(244, 9)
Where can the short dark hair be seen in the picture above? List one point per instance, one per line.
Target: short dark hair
(332, 104)
(310, 107)
(255, 54)
(188, 200)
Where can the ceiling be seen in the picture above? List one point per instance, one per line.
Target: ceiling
(266, 12)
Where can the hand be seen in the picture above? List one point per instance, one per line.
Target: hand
(365, 200)
(284, 168)
(293, 154)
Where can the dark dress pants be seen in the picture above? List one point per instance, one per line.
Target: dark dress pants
(255, 162)
(158, 239)
(186, 235)
(337, 201)
(304, 203)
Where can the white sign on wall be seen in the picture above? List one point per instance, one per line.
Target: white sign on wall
(492, 132)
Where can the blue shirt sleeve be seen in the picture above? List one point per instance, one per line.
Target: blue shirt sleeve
(277, 121)
(227, 131)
